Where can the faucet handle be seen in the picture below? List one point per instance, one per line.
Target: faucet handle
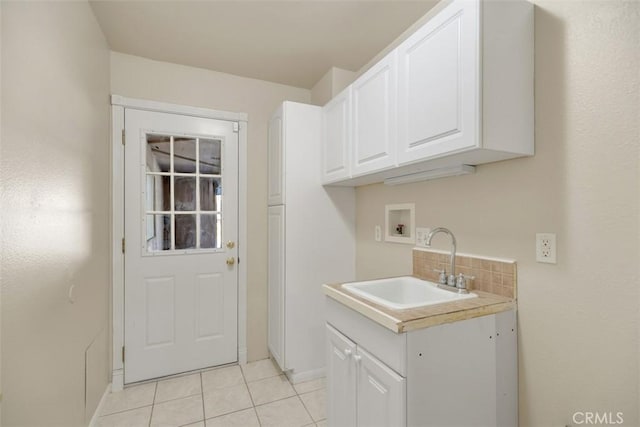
(442, 278)
(461, 281)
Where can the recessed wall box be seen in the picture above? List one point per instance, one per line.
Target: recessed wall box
(399, 223)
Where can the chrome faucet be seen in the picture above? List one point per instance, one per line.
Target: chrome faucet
(450, 280)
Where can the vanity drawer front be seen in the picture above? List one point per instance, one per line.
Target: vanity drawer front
(386, 345)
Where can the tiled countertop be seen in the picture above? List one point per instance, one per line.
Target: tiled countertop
(422, 317)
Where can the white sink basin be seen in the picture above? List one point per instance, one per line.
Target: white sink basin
(404, 292)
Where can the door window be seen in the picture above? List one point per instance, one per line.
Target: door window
(183, 193)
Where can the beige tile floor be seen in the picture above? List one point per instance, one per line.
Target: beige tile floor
(256, 394)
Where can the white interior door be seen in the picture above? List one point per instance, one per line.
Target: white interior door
(181, 227)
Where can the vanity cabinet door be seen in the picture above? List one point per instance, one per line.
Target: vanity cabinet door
(341, 379)
(336, 137)
(381, 393)
(438, 85)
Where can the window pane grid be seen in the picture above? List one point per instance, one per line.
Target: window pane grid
(198, 193)
(192, 175)
(194, 193)
(173, 198)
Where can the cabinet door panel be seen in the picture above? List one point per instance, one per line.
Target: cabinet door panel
(276, 160)
(276, 283)
(336, 137)
(381, 394)
(438, 85)
(374, 118)
(341, 380)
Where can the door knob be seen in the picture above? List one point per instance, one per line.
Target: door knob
(231, 261)
(230, 244)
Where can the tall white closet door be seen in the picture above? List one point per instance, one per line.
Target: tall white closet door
(276, 283)
(275, 148)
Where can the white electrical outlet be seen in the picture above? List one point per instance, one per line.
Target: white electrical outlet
(546, 247)
(377, 233)
(421, 236)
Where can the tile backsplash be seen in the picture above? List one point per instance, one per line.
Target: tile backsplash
(491, 275)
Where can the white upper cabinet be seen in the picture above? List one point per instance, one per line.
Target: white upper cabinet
(438, 91)
(336, 137)
(374, 118)
(458, 91)
(275, 150)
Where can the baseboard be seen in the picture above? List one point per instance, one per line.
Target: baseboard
(299, 377)
(117, 380)
(242, 356)
(98, 411)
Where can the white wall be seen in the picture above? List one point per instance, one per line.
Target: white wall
(137, 77)
(578, 342)
(330, 85)
(55, 220)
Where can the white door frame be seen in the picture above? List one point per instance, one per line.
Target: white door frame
(118, 104)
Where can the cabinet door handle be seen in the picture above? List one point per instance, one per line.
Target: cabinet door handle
(357, 358)
(347, 352)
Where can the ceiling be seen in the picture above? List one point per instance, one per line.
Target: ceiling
(293, 42)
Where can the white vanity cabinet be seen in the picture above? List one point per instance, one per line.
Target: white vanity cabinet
(336, 138)
(454, 374)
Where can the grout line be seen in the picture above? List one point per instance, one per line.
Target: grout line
(175, 398)
(180, 374)
(253, 404)
(255, 411)
(231, 413)
(277, 400)
(155, 392)
(306, 409)
(265, 378)
(124, 410)
(204, 415)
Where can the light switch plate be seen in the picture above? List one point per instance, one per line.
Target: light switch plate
(377, 233)
(421, 236)
(546, 248)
